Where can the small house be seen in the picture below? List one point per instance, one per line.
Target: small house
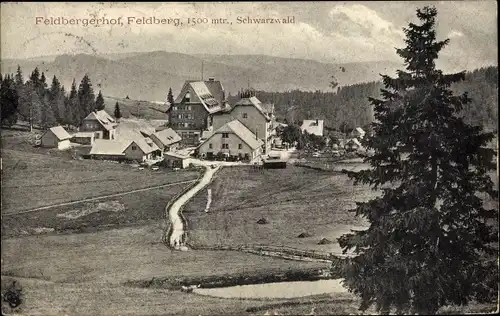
(353, 144)
(166, 139)
(142, 150)
(314, 127)
(56, 137)
(175, 160)
(101, 124)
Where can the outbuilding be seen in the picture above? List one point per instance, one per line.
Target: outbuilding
(175, 160)
(56, 137)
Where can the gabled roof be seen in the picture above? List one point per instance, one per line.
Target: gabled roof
(312, 127)
(253, 101)
(59, 132)
(109, 147)
(210, 94)
(167, 136)
(103, 117)
(145, 144)
(240, 130)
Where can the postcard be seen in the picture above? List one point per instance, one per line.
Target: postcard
(249, 158)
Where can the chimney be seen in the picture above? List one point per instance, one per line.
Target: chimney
(211, 79)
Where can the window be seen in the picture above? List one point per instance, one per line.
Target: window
(134, 147)
(225, 135)
(189, 107)
(179, 116)
(175, 108)
(245, 115)
(210, 146)
(240, 146)
(225, 146)
(186, 124)
(187, 97)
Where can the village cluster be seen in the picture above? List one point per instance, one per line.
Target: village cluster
(201, 124)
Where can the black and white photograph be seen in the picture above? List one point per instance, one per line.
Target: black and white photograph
(249, 158)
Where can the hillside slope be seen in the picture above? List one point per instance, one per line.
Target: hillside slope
(147, 76)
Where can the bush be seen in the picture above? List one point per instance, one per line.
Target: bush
(12, 296)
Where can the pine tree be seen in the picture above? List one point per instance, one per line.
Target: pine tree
(99, 102)
(429, 242)
(86, 97)
(75, 111)
(170, 97)
(31, 99)
(19, 78)
(118, 113)
(56, 100)
(47, 116)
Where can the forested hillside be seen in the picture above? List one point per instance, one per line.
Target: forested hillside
(350, 104)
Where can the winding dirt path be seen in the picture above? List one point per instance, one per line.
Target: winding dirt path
(176, 238)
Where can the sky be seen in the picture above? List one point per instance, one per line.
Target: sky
(339, 32)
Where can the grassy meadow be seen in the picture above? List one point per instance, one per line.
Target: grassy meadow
(294, 200)
(32, 180)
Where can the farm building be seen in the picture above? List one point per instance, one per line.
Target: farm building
(139, 150)
(166, 139)
(101, 124)
(56, 137)
(313, 127)
(175, 160)
(142, 150)
(108, 149)
(84, 138)
(233, 139)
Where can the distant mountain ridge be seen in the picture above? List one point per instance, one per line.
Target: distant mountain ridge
(149, 75)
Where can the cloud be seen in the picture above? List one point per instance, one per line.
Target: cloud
(325, 31)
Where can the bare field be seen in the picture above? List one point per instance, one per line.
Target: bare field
(33, 180)
(294, 200)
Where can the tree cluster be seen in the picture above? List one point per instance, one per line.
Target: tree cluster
(349, 106)
(293, 134)
(43, 106)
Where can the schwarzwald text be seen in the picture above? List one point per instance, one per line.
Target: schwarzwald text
(250, 20)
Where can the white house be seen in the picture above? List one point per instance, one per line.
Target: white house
(56, 137)
(254, 115)
(232, 139)
(313, 127)
(166, 139)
